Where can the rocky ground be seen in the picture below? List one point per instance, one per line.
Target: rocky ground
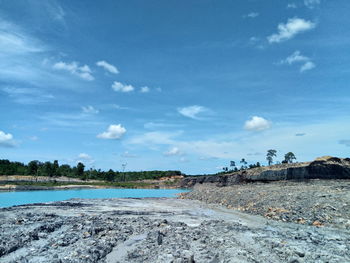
(159, 230)
(313, 202)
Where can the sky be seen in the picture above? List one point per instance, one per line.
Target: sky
(173, 85)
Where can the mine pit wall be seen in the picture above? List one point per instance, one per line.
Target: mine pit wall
(316, 170)
(338, 169)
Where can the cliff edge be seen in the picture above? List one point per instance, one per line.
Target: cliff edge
(326, 167)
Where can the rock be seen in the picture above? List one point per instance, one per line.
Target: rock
(322, 168)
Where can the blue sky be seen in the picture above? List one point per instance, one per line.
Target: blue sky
(186, 85)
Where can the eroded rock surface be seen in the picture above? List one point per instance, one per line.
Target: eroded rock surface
(159, 230)
(316, 202)
(322, 168)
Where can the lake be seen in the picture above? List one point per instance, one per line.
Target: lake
(8, 199)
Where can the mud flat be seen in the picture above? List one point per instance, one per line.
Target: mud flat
(159, 230)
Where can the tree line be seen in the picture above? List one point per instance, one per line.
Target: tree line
(54, 169)
(270, 155)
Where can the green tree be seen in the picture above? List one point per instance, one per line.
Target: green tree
(110, 175)
(289, 157)
(56, 168)
(232, 164)
(269, 156)
(244, 163)
(48, 169)
(80, 170)
(33, 167)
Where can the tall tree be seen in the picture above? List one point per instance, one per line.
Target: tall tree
(80, 170)
(289, 157)
(48, 169)
(55, 168)
(33, 167)
(110, 175)
(269, 156)
(244, 163)
(232, 164)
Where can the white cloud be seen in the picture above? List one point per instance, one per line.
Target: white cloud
(183, 160)
(109, 67)
(6, 139)
(83, 72)
(115, 131)
(144, 89)
(89, 109)
(155, 138)
(173, 152)
(162, 124)
(13, 40)
(27, 95)
(34, 138)
(126, 154)
(118, 107)
(192, 111)
(289, 30)
(257, 124)
(312, 3)
(253, 39)
(297, 57)
(120, 87)
(307, 66)
(235, 146)
(69, 119)
(252, 15)
(291, 6)
(85, 158)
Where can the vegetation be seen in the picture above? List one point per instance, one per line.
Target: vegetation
(269, 156)
(102, 183)
(37, 168)
(288, 158)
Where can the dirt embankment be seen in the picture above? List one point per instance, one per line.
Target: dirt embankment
(315, 202)
(328, 168)
(25, 183)
(30, 178)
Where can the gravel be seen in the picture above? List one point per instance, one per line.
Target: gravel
(159, 230)
(314, 202)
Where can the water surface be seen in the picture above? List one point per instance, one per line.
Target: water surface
(29, 197)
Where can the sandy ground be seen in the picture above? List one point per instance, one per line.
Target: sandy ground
(159, 230)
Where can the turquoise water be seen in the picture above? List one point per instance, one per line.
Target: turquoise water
(29, 197)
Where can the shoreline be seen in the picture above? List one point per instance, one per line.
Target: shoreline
(38, 186)
(15, 188)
